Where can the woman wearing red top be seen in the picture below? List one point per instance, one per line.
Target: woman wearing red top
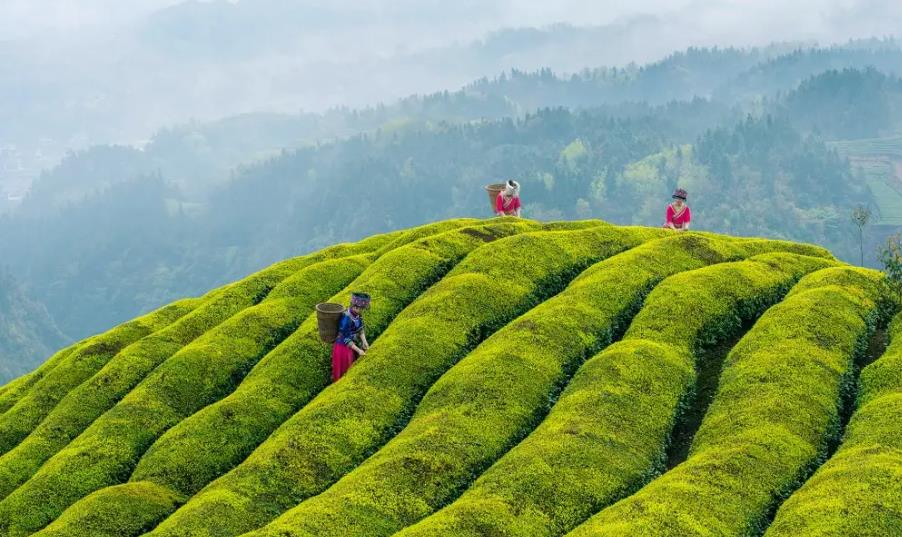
(508, 201)
(678, 213)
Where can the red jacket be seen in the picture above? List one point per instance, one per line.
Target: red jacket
(510, 208)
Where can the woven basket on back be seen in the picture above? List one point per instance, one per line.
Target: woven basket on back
(493, 190)
(328, 315)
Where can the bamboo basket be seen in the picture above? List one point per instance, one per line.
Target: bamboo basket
(493, 190)
(328, 315)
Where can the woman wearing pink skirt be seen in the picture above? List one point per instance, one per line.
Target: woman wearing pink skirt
(351, 340)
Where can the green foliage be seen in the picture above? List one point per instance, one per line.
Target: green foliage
(476, 410)
(190, 454)
(493, 397)
(891, 259)
(776, 410)
(859, 490)
(200, 373)
(15, 390)
(92, 354)
(115, 511)
(350, 419)
(85, 403)
(609, 428)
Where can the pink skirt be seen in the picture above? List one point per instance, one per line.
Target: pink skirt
(342, 358)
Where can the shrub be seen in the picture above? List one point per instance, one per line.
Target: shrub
(16, 389)
(82, 405)
(240, 420)
(198, 374)
(610, 427)
(73, 368)
(775, 412)
(859, 490)
(350, 419)
(115, 511)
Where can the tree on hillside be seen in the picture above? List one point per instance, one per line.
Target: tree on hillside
(861, 216)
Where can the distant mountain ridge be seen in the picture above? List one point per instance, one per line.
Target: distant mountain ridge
(28, 334)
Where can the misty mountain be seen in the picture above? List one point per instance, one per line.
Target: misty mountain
(28, 335)
(209, 60)
(202, 202)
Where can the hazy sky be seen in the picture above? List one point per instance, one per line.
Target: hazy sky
(733, 21)
(81, 65)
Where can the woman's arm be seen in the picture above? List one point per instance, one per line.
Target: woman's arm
(366, 344)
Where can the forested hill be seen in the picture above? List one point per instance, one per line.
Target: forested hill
(708, 392)
(28, 334)
(750, 133)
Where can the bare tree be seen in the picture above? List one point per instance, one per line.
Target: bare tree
(861, 216)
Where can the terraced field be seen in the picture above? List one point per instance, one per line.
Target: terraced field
(878, 161)
(524, 379)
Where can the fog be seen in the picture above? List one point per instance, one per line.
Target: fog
(78, 72)
(155, 149)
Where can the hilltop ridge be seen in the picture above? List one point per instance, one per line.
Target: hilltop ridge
(524, 377)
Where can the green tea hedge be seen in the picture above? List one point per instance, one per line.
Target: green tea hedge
(611, 425)
(222, 434)
(199, 374)
(75, 367)
(494, 396)
(131, 509)
(16, 389)
(859, 490)
(777, 407)
(350, 419)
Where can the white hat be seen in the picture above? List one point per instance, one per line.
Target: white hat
(512, 189)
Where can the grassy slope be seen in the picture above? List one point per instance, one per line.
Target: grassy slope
(120, 430)
(777, 407)
(82, 405)
(198, 374)
(859, 490)
(346, 422)
(91, 355)
(551, 481)
(191, 454)
(484, 404)
(12, 392)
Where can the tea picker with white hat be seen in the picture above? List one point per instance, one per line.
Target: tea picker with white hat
(508, 201)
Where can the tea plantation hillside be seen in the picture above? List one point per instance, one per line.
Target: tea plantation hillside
(524, 379)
